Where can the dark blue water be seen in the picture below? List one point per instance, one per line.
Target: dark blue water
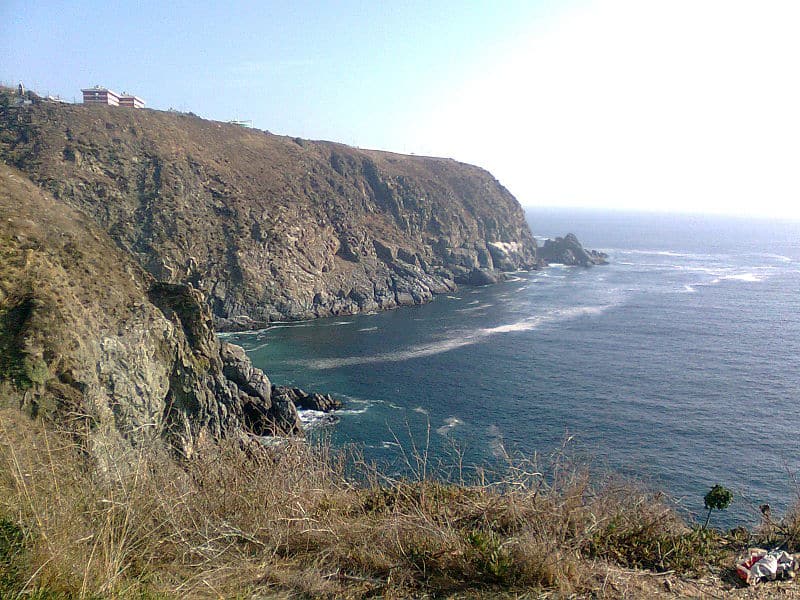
(678, 364)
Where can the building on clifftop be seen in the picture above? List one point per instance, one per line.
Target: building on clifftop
(100, 95)
(130, 101)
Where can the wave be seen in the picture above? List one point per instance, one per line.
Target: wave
(778, 257)
(368, 329)
(707, 270)
(449, 424)
(665, 253)
(458, 340)
(474, 308)
(313, 419)
(748, 277)
(349, 401)
(496, 443)
(226, 335)
(352, 411)
(289, 326)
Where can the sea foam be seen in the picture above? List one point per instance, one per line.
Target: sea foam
(456, 340)
(449, 424)
(749, 277)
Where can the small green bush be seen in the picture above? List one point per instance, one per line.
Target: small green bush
(491, 558)
(718, 498)
(36, 371)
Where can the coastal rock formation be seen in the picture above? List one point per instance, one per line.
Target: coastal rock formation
(308, 401)
(87, 335)
(568, 250)
(479, 277)
(270, 227)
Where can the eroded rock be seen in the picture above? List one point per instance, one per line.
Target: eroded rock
(568, 250)
(309, 401)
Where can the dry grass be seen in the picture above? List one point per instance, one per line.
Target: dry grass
(300, 521)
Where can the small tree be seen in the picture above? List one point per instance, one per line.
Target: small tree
(718, 498)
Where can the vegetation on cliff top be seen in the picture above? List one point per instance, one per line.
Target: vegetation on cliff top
(300, 520)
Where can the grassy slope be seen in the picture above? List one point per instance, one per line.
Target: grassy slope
(296, 521)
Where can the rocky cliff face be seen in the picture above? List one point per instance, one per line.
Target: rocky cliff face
(86, 334)
(270, 227)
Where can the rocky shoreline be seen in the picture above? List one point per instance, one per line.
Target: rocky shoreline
(271, 410)
(565, 250)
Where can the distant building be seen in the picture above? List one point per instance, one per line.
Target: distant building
(100, 95)
(130, 101)
(56, 99)
(241, 123)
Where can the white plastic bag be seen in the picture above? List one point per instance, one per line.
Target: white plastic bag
(766, 568)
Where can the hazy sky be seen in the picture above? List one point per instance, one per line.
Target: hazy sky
(659, 105)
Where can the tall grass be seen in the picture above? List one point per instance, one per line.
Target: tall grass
(299, 520)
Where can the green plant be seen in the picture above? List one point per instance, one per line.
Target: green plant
(36, 371)
(718, 498)
(492, 559)
(12, 550)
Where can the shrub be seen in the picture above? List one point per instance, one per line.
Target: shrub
(717, 498)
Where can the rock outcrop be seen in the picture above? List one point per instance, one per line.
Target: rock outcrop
(479, 277)
(568, 250)
(308, 401)
(87, 335)
(270, 227)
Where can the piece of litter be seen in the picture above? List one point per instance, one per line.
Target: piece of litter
(762, 565)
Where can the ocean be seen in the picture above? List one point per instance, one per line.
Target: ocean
(678, 364)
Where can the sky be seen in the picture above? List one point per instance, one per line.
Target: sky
(674, 105)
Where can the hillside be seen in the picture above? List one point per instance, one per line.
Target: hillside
(270, 227)
(90, 339)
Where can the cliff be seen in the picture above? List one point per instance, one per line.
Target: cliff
(90, 338)
(270, 227)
